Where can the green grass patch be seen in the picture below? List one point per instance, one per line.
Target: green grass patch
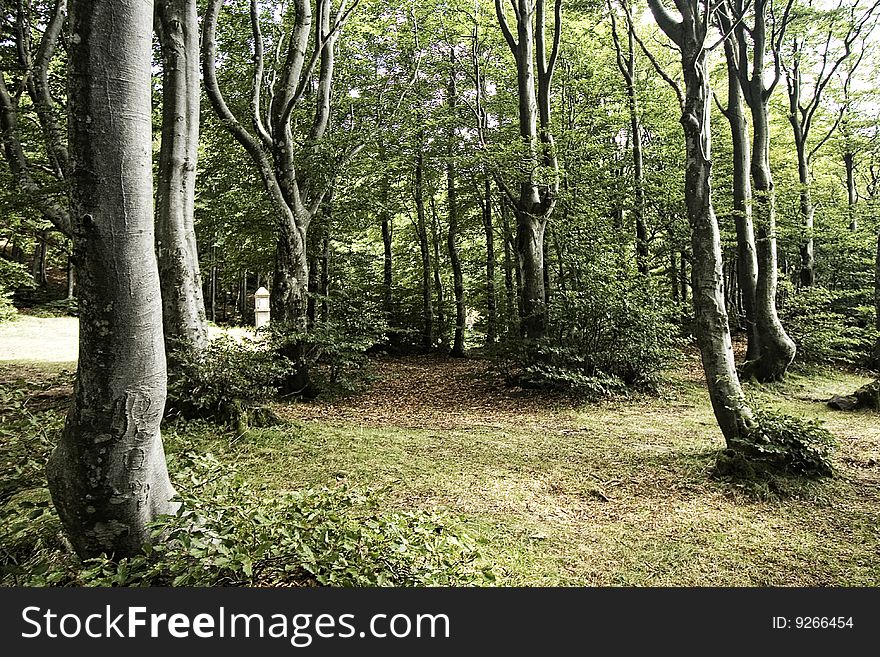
(613, 493)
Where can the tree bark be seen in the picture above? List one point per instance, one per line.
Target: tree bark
(70, 278)
(424, 248)
(713, 333)
(107, 476)
(777, 350)
(183, 307)
(747, 260)
(491, 304)
(452, 206)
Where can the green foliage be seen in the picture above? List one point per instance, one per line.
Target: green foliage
(30, 532)
(333, 353)
(7, 310)
(779, 444)
(328, 536)
(228, 532)
(223, 380)
(13, 276)
(830, 326)
(612, 335)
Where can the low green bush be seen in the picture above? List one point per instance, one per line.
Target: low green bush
(328, 536)
(224, 382)
(779, 444)
(329, 359)
(830, 327)
(13, 276)
(602, 340)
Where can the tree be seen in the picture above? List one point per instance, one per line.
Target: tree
(39, 182)
(183, 308)
(747, 61)
(296, 177)
(746, 260)
(108, 476)
(626, 64)
(538, 181)
(806, 82)
(689, 34)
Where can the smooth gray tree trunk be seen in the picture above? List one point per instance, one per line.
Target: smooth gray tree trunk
(183, 307)
(777, 350)
(452, 207)
(733, 414)
(747, 260)
(107, 476)
(424, 249)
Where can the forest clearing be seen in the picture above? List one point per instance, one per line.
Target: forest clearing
(559, 492)
(440, 293)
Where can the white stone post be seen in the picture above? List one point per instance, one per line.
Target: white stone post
(261, 307)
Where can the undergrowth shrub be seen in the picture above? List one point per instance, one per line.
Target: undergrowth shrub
(830, 326)
(229, 532)
(225, 382)
(613, 335)
(330, 536)
(332, 356)
(13, 276)
(782, 445)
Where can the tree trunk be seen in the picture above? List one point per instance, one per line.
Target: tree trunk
(808, 263)
(852, 196)
(511, 291)
(387, 271)
(877, 301)
(530, 249)
(70, 278)
(38, 267)
(635, 127)
(438, 282)
(747, 260)
(291, 280)
(536, 199)
(424, 248)
(713, 333)
(776, 349)
(452, 235)
(183, 307)
(491, 305)
(107, 476)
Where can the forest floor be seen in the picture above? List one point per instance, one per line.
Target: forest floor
(567, 492)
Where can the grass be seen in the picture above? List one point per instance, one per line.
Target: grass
(610, 493)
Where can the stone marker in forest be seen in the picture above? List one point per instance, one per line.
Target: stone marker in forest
(261, 307)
